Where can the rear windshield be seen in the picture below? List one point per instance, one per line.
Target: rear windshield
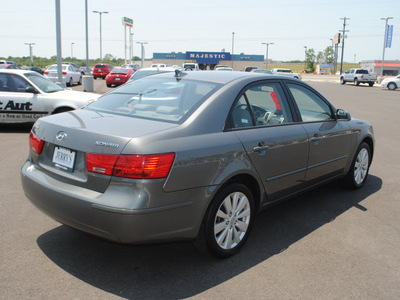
(119, 71)
(162, 99)
(54, 68)
(99, 66)
(362, 72)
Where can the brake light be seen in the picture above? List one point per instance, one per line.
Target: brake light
(46, 73)
(35, 143)
(64, 73)
(362, 76)
(131, 166)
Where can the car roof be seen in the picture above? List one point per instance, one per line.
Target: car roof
(225, 77)
(17, 71)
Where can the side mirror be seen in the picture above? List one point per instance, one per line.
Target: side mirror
(31, 90)
(342, 115)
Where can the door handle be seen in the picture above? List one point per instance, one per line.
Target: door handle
(261, 147)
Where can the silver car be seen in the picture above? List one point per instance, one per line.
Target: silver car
(191, 156)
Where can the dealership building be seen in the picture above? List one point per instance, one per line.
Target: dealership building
(208, 60)
(390, 67)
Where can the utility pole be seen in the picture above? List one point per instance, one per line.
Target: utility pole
(30, 51)
(233, 43)
(266, 53)
(142, 50)
(344, 36)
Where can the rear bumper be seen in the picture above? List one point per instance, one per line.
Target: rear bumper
(123, 213)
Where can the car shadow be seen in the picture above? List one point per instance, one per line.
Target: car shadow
(179, 270)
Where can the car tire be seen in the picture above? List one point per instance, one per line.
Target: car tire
(356, 83)
(228, 221)
(80, 80)
(371, 84)
(342, 80)
(392, 86)
(358, 172)
(108, 85)
(94, 77)
(69, 83)
(188, 69)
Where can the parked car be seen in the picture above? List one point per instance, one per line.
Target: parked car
(134, 67)
(191, 156)
(118, 76)
(160, 65)
(286, 72)
(33, 68)
(391, 83)
(358, 76)
(102, 70)
(220, 66)
(7, 62)
(25, 96)
(190, 67)
(149, 71)
(70, 75)
(248, 69)
(265, 71)
(85, 70)
(9, 66)
(223, 69)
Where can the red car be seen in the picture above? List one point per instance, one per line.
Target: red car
(118, 76)
(102, 70)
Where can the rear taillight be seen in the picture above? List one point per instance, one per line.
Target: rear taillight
(131, 166)
(64, 73)
(35, 143)
(46, 73)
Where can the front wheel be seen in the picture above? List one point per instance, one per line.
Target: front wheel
(358, 172)
(228, 221)
(80, 80)
(342, 80)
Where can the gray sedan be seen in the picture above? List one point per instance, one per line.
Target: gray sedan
(191, 156)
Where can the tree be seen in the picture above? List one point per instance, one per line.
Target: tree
(329, 55)
(310, 60)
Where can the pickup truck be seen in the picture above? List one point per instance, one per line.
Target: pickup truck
(286, 72)
(358, 76)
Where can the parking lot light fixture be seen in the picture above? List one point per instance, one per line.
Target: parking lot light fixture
(266, 54)
(72, 50)
(100, 13)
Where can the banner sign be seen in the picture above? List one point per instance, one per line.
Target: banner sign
(389, 36)
(208, 57)
(127, 22)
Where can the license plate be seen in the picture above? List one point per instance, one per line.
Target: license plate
(64, 158)
(117, 79)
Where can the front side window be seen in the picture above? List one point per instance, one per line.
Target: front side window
(43, 83)
(261, 105)
(312, 107)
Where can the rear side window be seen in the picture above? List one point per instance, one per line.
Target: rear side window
(261, 105)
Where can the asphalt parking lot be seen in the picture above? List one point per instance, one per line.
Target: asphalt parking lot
(330, 243)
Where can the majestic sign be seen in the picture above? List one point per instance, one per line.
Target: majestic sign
(208, 57)
(127, 22)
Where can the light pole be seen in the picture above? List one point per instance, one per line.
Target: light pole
(72, 50)
(305, 58)
(266, 54)
(384, 42)
(142, 50)
(30, 51)
(100, 13)
(233, 44)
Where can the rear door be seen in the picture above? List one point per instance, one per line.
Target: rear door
(329, 139)
(278, 148)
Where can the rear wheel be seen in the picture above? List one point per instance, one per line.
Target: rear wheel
(69, 82)
(371, 84)
(392, 86)
(342, 80)
(228, 221)
(108, 85)
(94, 77)
(356, 82)
(358, 172)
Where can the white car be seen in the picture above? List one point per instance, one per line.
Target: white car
(190, 67)
(25, 96)
(391, 83)
(70, 74)
(223, 69)
(286, 72)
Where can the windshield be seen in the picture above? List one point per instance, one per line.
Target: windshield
(163, 99)
(43, 83)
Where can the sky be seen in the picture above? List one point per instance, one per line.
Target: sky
(201, 25)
